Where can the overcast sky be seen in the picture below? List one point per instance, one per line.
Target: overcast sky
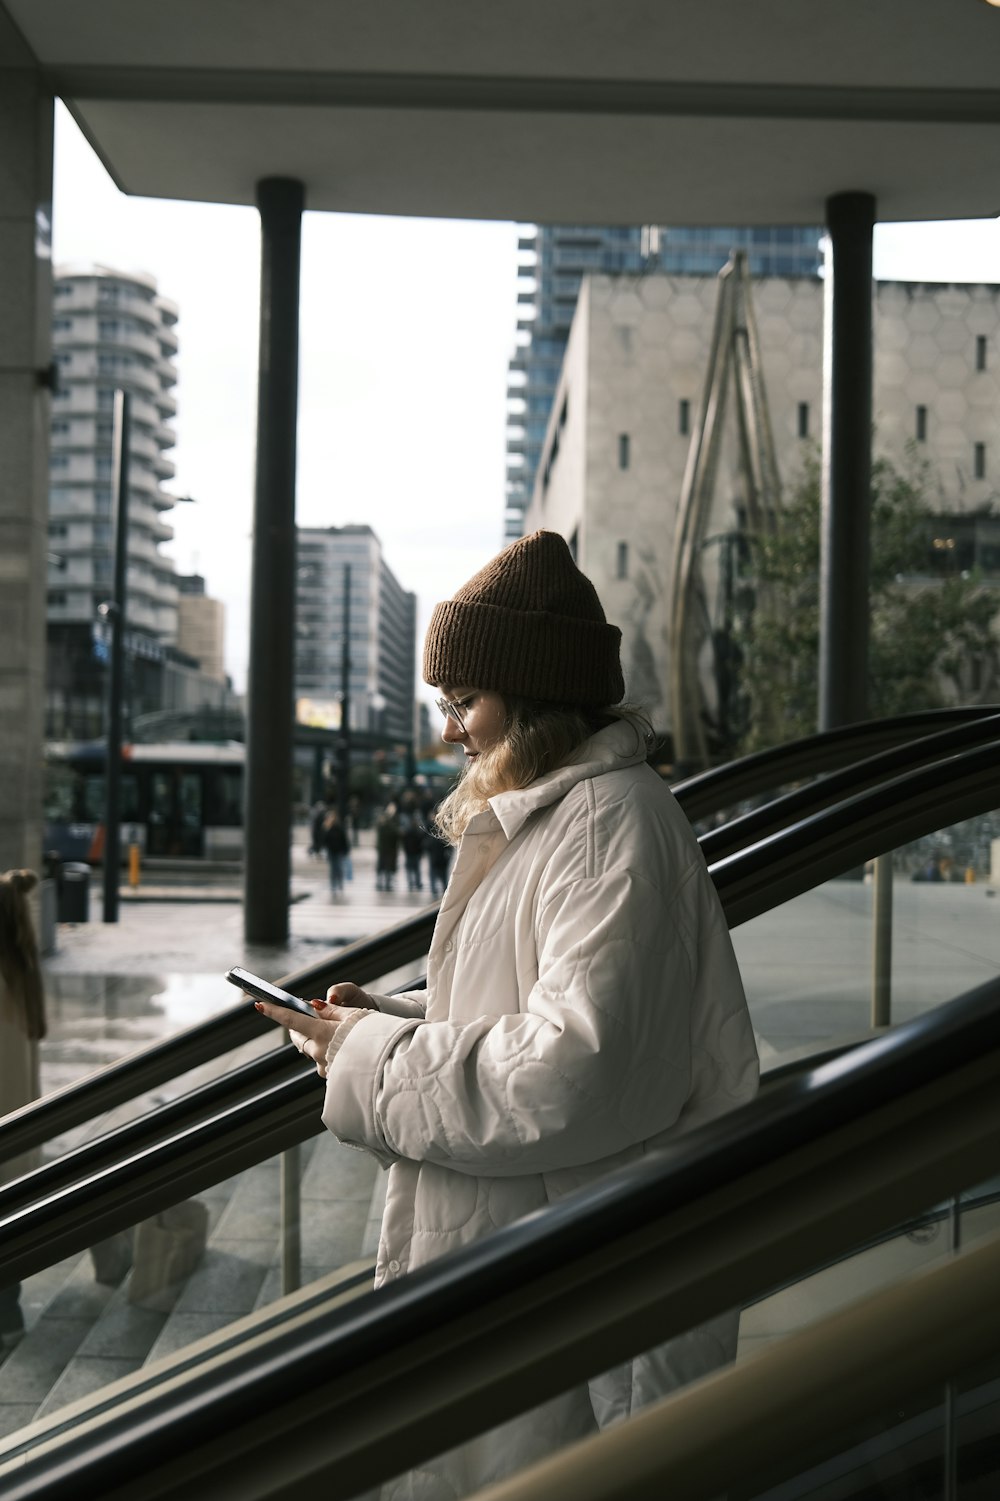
(407, 326)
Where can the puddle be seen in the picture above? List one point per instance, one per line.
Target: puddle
(94, 1020)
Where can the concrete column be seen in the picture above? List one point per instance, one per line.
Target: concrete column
(844, 608)
(25, 331)
(270, 709)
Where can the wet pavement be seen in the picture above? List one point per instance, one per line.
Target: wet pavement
(112, 988)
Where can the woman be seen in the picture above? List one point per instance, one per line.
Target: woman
(22, 1025)
(583, 1002)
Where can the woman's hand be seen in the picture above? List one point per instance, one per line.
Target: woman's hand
(313, 1037)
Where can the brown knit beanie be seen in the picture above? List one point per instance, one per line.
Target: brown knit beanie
(531, 624)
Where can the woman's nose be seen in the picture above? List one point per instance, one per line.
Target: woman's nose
(452, 731)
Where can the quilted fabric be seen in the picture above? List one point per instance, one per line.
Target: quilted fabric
(583, 1006)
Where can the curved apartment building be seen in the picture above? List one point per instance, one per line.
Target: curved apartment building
(109, 329)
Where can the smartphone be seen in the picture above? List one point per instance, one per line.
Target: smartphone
(255, 986)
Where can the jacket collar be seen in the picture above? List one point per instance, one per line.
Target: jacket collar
(616, 746)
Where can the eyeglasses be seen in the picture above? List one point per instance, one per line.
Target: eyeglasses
(452, 711)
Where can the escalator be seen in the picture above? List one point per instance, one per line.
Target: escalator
(272, 1104)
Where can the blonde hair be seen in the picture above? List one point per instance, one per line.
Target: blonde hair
(536, 738)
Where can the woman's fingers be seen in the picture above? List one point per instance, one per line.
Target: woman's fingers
(349, 995)
(294, 1021)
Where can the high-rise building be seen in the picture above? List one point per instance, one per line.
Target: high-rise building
(557, 257)
(201, 625)
(382, 620)
(109, 330)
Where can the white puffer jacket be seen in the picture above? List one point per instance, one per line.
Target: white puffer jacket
(583, 1006)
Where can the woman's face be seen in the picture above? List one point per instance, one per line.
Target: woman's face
(483, 715)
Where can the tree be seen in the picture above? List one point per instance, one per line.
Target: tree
(930, 636)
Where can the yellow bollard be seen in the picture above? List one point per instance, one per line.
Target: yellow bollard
(970, 875)
(133, 866)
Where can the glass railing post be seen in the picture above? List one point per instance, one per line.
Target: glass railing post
(291, 1220)
(882, 941)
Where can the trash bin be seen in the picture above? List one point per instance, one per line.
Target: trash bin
(74, 892)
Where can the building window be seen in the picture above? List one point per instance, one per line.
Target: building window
(980, 351)
(921, 424)
(56, 597)
(979, 461)
(622, 562)
(684, 417)
(803, 419)
(624, 451)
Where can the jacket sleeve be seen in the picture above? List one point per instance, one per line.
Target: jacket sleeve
(411, 1003)
(598, 1059)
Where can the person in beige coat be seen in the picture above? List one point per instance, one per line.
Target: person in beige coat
(22, 1025)
(583, 1002)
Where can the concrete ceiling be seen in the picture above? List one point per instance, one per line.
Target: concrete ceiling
(573, 111)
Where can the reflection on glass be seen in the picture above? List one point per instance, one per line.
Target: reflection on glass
(808, 964)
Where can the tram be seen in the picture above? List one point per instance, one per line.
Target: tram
(178, 801)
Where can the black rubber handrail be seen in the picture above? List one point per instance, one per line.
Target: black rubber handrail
(835, 840)
(192, 1159)
(368, 959)
(710, 792)
(926, 1065)
(833, 786)
(403, 943)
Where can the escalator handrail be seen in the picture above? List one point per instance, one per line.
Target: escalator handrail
(746, 1427)
(402, 943)
(738, 878)
(947, 1060)
(738, 833)
(711, 791)
(368, 959)
(828, 843)
(811, 850)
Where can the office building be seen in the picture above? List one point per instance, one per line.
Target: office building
(628, 400)
(201, 625)
(382, 634)
(557, 257)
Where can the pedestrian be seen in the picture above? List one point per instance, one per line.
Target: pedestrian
(413, 836)
(338, 849)
(583, 1004)
(386, 848)
(22, 1026)
(317, 813)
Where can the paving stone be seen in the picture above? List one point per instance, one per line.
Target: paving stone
(228, 1279)
(124, 1330)
(183, 1329)
(84, 1376)
(34, 1365)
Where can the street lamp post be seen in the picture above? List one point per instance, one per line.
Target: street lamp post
(114, 612)
(343, 784)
